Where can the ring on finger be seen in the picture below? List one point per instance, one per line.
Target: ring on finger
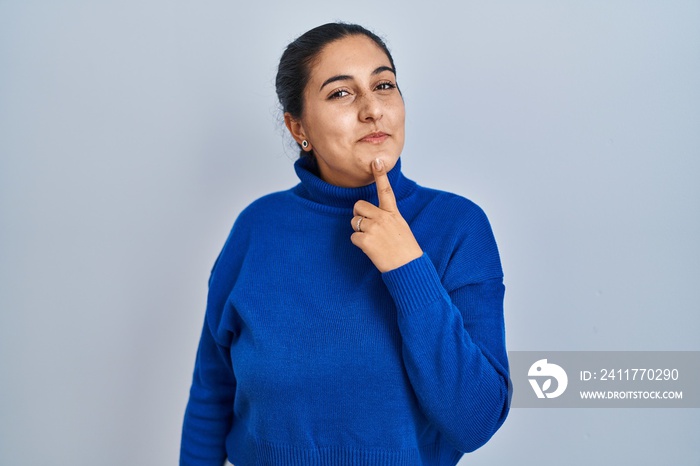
(358, 226)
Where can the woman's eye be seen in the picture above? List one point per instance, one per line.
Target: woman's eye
(338, 94)
(385, 86)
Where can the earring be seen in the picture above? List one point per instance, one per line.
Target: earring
(304, 143)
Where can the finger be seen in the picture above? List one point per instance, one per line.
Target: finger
(357, 222)
(365, 209)
(356, 239)
(387, 201)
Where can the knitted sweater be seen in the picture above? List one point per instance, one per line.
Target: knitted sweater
(310, 356)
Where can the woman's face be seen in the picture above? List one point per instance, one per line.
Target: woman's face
(353, 111)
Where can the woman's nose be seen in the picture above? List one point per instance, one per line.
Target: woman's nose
(370, 107)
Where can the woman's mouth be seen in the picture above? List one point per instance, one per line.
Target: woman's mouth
(375, 138)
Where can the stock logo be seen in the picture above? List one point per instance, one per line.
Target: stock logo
(542, 370)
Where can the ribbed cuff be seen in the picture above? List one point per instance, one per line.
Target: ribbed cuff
(414, 285)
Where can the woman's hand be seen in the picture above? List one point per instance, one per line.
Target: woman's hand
(381, 232)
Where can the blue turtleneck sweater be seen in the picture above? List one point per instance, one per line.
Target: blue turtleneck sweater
(310, 356)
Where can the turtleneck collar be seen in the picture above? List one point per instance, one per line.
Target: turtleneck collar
(314, 189)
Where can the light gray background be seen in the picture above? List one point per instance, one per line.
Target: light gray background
(133, 132)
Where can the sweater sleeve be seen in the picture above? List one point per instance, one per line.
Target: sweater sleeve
(454, 346)
(209, 410)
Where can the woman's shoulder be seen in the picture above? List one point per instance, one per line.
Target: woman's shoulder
(265, 207)
(450, 207)
(457, 235)
(255, 217)
(251, 222)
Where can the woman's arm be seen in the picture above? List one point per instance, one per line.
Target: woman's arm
(209, 409)
(454, 351)
(453, 342)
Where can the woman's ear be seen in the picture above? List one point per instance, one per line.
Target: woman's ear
(296, 129)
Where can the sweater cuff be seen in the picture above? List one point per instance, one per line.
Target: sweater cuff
(414, 285)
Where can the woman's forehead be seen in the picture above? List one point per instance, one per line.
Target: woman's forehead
(348, 56)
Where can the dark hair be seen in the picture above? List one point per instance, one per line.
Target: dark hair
(294, 68)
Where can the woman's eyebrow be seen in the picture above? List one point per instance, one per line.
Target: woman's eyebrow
(340, 77)
(344, 77)
(384, 68)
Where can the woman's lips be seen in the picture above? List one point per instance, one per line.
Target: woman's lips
(375, 138)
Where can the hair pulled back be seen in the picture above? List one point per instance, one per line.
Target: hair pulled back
(295, 65)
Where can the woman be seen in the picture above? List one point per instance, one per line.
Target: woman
(356, 318)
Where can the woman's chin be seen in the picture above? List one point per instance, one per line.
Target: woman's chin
(389, 161)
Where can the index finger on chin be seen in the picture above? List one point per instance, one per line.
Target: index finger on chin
(385, 193)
